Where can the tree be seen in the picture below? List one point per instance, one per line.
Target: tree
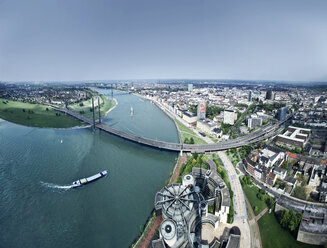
(47, 109)
(260, 196)
(255, 209)
(81, 104)
(270, 202)
(262, 191)
(285, 218)
(191, 140)
(195, 155)
(290, 220)
(186, 141)
(223, 174)
(285, 165)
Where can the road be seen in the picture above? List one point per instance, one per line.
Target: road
(238, 199)
(262, 134)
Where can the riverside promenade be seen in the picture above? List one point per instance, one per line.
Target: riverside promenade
(147, 236)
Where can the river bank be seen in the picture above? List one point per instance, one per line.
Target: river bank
(154, 221)
(42, 116)
(166, 112)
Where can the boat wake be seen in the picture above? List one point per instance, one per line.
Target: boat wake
(55, 186)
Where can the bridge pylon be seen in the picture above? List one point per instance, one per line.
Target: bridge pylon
(99, 110)
(93, 113)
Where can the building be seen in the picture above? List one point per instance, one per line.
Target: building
(206, 125)
(230, 116)
(323, 191)
(187, 220)
(190, 87)
(250, 96)
(269, 95)
(294, 137)
(263, 116)
(217, 132)
(282, 114)
(201, 110)
(254, 122)
(265, 165)
(189, 117)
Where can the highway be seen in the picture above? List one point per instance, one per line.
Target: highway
(256, 136)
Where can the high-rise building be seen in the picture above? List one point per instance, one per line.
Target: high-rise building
(250, 96)
(230, 116)
(269, 95)
(282, 113)
(201, 110)
(190, 87)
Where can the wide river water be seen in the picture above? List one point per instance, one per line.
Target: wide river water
(37, 209)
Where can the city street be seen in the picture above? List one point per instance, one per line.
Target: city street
(238, 199)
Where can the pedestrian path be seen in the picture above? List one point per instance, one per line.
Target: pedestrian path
(261, 214)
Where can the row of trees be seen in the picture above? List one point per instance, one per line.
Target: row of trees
(244, 151)
(189, 140)
(29, 111)
(246, 180)
(261, 195)
(194, 161)
(223, 176)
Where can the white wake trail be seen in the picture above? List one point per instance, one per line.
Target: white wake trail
(55, 186)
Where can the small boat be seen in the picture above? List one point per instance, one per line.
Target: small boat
(132, 111)
(87, 180)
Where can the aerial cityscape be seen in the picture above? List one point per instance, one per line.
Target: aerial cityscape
(163, 124)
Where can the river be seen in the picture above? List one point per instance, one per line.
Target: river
(38, 209)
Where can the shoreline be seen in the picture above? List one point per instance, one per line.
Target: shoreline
(112, 108)
(153, 221)
(164, 111)
(65, 128)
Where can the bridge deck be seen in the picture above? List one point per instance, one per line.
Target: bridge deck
(262, 134)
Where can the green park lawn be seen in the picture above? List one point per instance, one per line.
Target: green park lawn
(85, 109)
(274, 236)
(251, 192)
(35, 115)
(188, 133)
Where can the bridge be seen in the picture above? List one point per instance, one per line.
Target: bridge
(259, 135)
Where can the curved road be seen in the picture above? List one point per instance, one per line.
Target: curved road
(261, 134)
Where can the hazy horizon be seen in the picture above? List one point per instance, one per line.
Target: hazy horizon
(160, 40)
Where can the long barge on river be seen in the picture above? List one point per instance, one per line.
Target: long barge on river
(90, 179)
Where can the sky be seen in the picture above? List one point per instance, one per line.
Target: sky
(65, 40)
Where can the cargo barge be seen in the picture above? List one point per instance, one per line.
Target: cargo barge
(90, 179)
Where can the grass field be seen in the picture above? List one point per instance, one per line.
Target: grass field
(35, 115)
(188, 133)
(251, 193)
(274, 236)
(85, 110)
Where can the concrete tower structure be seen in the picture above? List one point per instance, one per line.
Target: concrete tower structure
(201, 110)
